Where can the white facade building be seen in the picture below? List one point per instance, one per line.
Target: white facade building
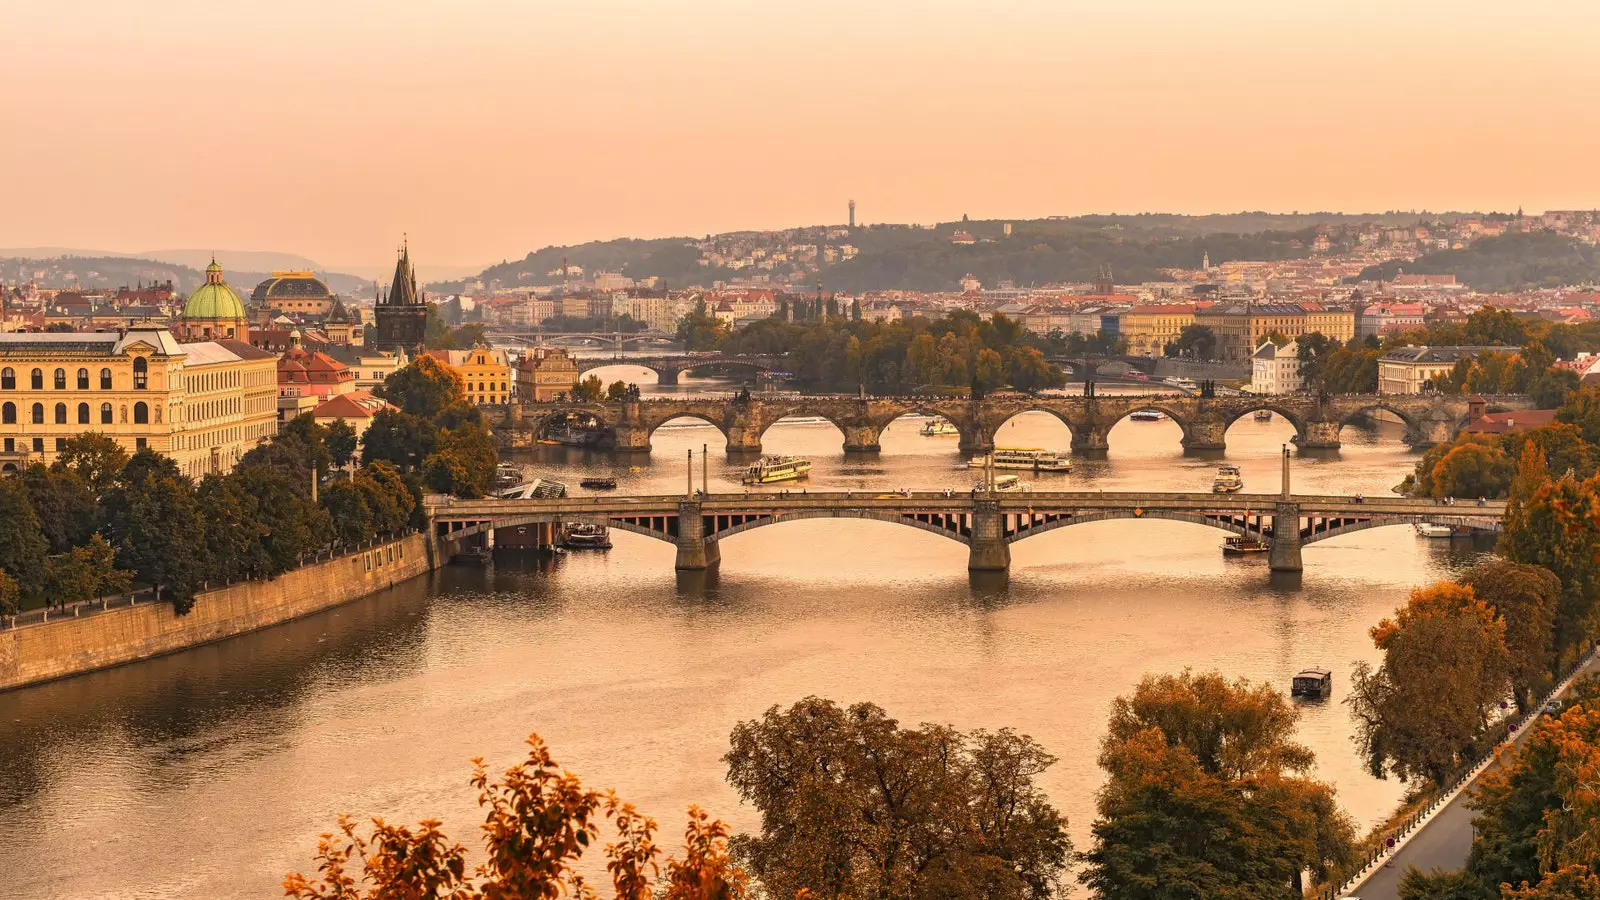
(1275, 370)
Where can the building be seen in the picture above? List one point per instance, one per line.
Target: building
(371, 367)
(343, 326)
(214, 311)
(1412, 369)
(204, 404)
(545, 373)
(402, 313)
(1149, 328)
(1242, 327)
(1502, 422)
(1275, 370)
(355, 409)
(298, 293)
(485, 371)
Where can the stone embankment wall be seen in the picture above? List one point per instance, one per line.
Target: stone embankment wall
(71, 646)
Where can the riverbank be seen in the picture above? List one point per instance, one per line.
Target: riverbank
(63, 647)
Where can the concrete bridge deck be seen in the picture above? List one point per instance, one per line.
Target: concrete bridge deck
(1429, 418)
(988, 523)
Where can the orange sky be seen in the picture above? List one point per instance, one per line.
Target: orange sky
(485, 129)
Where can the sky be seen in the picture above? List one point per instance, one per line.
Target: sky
(483, 129)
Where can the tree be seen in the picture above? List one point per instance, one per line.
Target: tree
(854, 806)
(101, 558)
(347, 506)
(988, 370)
(539, 822)
(66, 506)
(293, 525)
(96, 458)
(1198, 341)
(305, 440)
(68, 578)
(1582, 408)
(233, 529)
(23, 546)
(398, 438)
(699, 330)
(1556, 524)
(387, 497)
(1472, 468)
(1445, 670)
(423, 388)
(341, 442)
(10, 595)
(1437, 885)
(617, 390)
(1525, 598)
(1551, 388)
(156, 525)
(589, 390)
(1207, 796)
(463, 464)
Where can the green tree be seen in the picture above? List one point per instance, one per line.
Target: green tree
(617, 390)
(66, 506)
(589, 390)
(463, 464)
(1582, 408)
(1551, 389)
(294, 525)
(347, 505)
(96, 458)
(306, 440)
(988, 370)
(398, 438)
(233, 529)
(387, 497)
(101, 558)
(1197, 341)
(1437, 885)
(23, 546)
(699, 330)
(154, 521)
(1525, 598)
(69, 579)
(423, 388)
(340, 439)
(10, 595)
(854, 806)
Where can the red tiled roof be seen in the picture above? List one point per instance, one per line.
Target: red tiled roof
(1500, 423)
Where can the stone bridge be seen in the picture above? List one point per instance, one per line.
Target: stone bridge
(669, 367)
(987, 523)
(1429, 418)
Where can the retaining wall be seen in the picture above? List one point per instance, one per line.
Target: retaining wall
(71, 646)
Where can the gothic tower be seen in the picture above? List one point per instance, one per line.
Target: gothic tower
(402, 315)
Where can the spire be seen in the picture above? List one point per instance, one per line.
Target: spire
(403, 289)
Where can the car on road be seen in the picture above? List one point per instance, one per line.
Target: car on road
(1552, 708)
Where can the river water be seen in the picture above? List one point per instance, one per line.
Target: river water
(209, 773)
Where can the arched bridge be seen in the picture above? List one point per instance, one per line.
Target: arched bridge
(669, 367)
(987, 523)
(1429, 418)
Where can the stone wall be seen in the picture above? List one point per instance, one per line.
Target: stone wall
(71, 646)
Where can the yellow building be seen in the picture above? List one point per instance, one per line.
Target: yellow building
(1148, 329)
(485, 371)
(1242, 327)
(204, 404)
(1412, 369)
(545, 373)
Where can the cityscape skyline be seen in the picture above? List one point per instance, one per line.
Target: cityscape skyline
(326, 131)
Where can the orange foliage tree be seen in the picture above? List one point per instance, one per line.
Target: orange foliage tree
(539, 822)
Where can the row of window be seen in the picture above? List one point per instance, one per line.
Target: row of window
(141, 414)
(61, 444)
(141, 378)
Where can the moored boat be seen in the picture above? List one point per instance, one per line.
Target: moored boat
(1263, 415)
(507, 475)
(1316, 683)
(584, 536)
(939, 425)
(1239, 546)
(1026, 459)
(1009, 484)
(771, 469)
(599, 484)
(1432, 530)
(1227, 481)
(1146, 415)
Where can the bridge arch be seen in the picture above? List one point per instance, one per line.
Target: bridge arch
(1241, 526)
(478, 528)
(1169, 410)
(652, 427)
(999, 421)
(1249, 405)
(955, 527)
(882, 423)
(1311, 535)
(1411, 421)
(774, 414)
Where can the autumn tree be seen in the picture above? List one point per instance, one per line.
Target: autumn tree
(854, 806)
(1582, 409)
(1445, 671)
(1472, 468)
(10, 595)
(1524, 597)
(1555, 524)
(539, 820)
(589, 390)
(423, 388)
(1207, 796)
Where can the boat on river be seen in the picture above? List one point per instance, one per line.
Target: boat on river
(584, 536)
(939, 425)
(1239, 545)
(1146, 415)
(507, 475)
(599, 484)
(1008, 484)
(1263, 415)
(1432, 530)
(1026, 459)
(1228, 480)
(1314, 683)
(771, 469)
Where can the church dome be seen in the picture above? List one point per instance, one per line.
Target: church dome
(290, 286)
(215, 300)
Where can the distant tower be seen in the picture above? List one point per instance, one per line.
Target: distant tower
(1205, 261)
(403, 314)
(1104, 284)
(852, 215)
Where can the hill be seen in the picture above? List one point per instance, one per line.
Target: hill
(90, 269)
(1506, 263)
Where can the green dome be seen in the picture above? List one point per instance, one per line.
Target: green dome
(213, 300)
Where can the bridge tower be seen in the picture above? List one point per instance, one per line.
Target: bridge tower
(989, 551)
(1284, 553)
(696, 550)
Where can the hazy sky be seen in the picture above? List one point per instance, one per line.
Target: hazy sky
(485, 129)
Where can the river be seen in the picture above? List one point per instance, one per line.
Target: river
(209, 773)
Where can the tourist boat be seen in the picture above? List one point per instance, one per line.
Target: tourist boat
(575, 435)
(777, 468)
(599, 484)
(1187, 384)
(1239, 546)
(1146, 415)
(1316, 683)
(1263, 415)
(1026, 459)
(507, 475)
(1227, 480)
(939, 425)
(1431, 530)
(1007, 484)
(581, 536)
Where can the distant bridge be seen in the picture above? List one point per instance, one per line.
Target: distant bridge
(1429, 418)
(669, 367)
(617, 339)
(987, 523)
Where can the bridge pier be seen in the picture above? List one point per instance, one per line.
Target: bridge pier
(861, 438)
(1319, 436)
(1284, 555)
(1206, 434)
(988, 551)
(1430, 432)
(665, 375)
(696, 551)
(1090, 442)
(632, 439)
(744, 439)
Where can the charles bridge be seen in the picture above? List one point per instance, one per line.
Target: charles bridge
(1429, 418)
(669, 366)
(987, 523)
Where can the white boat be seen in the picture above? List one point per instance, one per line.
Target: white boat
(1009, 484)
(1227, 481)
(777, 468)
(1146, 415)
(939, 425)
(1431, 530)
(1026, 459)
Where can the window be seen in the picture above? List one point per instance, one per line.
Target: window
(38, 413)
(139, 443)
(83, 413)
(141, 413)
(8, 379)
(36, 380)
(105, 379)
(11, 445)
(141, 373)
(61, 445)
(8, 414)
(83, 379)
(105, 414)
(61, 414)
(38, 445)
(61, 379)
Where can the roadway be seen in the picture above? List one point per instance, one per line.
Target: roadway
(1445, 841)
